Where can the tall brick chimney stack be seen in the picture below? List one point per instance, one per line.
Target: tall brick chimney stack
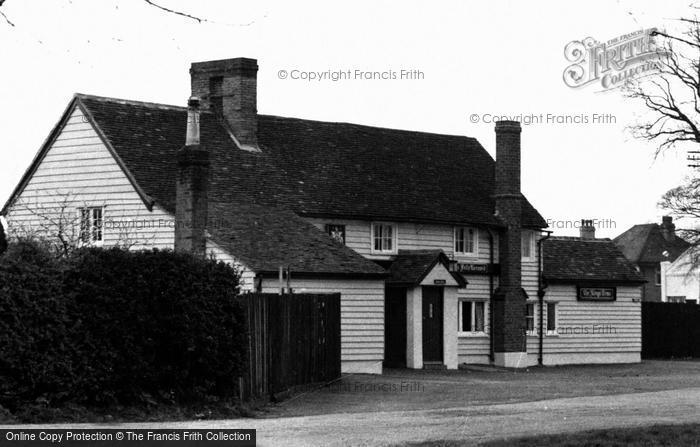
(668, 228)
(191, 202)
(587, 229)
(229, 88)
(509, 298)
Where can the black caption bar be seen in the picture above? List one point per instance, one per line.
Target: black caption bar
(126, 437)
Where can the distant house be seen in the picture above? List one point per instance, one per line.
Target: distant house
(680, 279)
(431, 244)
(647, 246)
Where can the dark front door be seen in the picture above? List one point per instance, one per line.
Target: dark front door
(395, 327)
(432, 324)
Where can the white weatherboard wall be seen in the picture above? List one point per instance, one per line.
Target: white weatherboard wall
(78, 170)
(215, 251)
(411, 236)
(591, 331)
(361, 315)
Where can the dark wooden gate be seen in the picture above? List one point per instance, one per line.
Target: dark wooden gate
(670, 330)
(293, 340)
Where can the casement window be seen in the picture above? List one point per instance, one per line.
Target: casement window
(657, 277)
(337, 232)
(530, 318)
(551, 318)
(527, 245)
(466, 241)
(472, 317)
(91, 219)
(383, 238)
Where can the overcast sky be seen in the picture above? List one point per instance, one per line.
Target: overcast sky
(477, 58)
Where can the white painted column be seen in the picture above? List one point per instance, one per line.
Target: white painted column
(664, 283)
(449, 327)
(414, 328)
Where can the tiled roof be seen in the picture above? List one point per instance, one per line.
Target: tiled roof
(312, 167)
(411, 266)
(572, 259)
(645, 243)
(265, 238)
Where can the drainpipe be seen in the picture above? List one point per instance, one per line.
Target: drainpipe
(491, 273)
(540, 296)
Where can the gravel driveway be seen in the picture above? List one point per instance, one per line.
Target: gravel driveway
(456, 405)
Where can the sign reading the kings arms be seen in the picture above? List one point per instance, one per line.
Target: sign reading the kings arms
(596, 293)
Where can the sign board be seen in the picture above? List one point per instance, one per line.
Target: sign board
(439, 282)
(596, 293)
(475, 269)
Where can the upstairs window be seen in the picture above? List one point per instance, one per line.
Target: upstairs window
(657, 276)
(90, 225)
(465, 241)
(383, 238)
(527, 245)
(337, 232)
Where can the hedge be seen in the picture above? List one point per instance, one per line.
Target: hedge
(114, 326)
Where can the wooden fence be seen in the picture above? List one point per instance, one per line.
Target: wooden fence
(670, 330)
(294, 340)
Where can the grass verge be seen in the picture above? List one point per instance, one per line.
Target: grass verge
(655, 435)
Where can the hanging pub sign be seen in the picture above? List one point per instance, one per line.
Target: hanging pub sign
(475, 269)
(596, 293)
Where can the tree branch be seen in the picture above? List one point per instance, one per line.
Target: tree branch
(172, 11)
(4, 16)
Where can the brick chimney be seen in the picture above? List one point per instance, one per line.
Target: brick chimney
(668, 228)
(191, 188)
(587, 229)
(509, 298)
(228, 87)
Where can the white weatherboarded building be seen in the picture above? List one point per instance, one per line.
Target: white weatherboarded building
(434, 250)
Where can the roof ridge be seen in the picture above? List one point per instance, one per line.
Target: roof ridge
(154, 105)
(158, 105)
(367, 126)
(577, 238)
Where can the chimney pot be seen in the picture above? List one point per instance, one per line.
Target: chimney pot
(668, 228)
(192, 138)
(587, 229)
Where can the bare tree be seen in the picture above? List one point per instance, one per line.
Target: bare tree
(672, 95)
(58, 222)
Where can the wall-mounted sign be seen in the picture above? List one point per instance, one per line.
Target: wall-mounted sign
(596, 293)
(439, 282)
(475, 269)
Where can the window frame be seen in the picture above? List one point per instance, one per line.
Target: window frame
(394, 238)
(91, 229)
(531, 244)
(475, 242)
(657, 276)
(555, 305)
(343, 227)
(533, 318)
(473, 306)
